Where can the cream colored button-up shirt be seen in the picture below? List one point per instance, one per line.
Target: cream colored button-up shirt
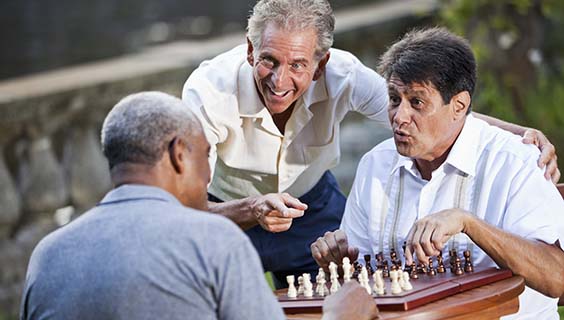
(249, 155)
(488, 172)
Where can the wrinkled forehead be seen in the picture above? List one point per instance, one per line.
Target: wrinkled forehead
(396, 85)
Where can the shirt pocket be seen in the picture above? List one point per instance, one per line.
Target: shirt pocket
(327, 154)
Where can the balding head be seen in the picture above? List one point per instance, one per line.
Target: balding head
(139, 128)
(153, 138)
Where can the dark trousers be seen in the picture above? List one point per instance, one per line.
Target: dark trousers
(288, 252)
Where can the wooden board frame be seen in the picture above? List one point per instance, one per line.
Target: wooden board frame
(426, 289)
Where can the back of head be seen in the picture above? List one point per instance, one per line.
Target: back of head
(293, 15)
(139, 127)
(434, 56)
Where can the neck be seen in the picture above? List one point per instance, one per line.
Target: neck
(134, 173)
(427, 166)
(280, 119)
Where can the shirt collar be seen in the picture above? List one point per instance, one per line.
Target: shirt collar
(129, 192)
(463, 154)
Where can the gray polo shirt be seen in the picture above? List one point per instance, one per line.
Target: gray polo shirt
(140, 254)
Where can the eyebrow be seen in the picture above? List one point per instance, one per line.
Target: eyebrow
(409, 91)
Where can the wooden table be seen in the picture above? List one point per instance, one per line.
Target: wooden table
(487, 302)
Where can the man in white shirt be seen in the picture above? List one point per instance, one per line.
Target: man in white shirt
(450, 181)
(271, 111)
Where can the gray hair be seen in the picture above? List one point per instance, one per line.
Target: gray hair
(292, 15)
(140, 127)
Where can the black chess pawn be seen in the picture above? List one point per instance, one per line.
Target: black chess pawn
(368, 264)
(379, 261)
(458, 267)
(452, 254)
(430, 269)
(356, 269)
(385, 270)
(393, 257)
(413, 274)
(468, 267)
(440, 266)
(420, 268)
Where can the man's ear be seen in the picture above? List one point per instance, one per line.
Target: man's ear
(321, 66)
(461, 102)
(176, 154)
(250, 57)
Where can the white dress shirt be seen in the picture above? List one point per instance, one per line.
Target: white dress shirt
(488, 172)
(249, 155)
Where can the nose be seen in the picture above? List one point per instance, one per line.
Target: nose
(279, 76)
(402, 113)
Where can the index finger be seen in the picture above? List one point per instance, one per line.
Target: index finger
(293, 202)
(409, 247)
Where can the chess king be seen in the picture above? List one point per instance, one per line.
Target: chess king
(449, 180)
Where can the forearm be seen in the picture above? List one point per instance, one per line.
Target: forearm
(539, 263)
(239, 211)
(511, 127)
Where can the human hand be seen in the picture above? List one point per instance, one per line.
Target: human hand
(333, 246)
(427, 236)
(350, 302)
(275, 211)
(548, 153)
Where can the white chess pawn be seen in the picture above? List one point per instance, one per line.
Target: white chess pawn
(321, 287)
(378, 282)
(308, 286)
(320, 280)
(346, 269)
(300, 285)
(335, 285)
(406, 284)
(395, 288)
(363, 279)
(292, 292)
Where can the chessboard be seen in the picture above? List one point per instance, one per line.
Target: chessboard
(426, 286)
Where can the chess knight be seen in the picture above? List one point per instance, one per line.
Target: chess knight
(448, 180)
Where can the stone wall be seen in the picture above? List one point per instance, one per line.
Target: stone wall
(51, 165)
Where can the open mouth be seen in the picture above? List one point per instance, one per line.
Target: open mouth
(279, 94)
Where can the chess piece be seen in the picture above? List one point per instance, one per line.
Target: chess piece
(385, 270)
(393, 257)
(452, 259)
(379, 261)
(300, 285)
(368, 264)
(347, 269)
(335, 285)
(458, 267)
(320, 281)
(430, 269)
(395, 288)
(378, 287)
(406, 283)
(413, 273)
(292, 292)
(356, 270)
(363, 279)
(468, 267)
(321, 288)
(441, 266)
(308, 286)
(421, 268)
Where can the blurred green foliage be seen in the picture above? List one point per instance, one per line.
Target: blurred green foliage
(519, 46)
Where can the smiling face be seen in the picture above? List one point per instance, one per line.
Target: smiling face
(284, 66)
(424, 126)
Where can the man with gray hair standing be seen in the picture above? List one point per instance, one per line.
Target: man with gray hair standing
(271, 111)
(146, 251)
